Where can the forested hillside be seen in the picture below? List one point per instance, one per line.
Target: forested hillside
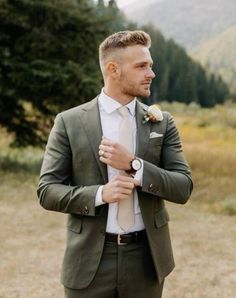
(49, 63)
(188, 22)
(205, 28)
(219, 55)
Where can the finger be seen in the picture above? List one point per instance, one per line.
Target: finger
(116, 199)
(104, 154)
(125, 196)
(107, 142)
(126, 178)
(121, 185)
(121, 196)
(105, 148)
(126, 191)
(101, 152)
(105, 160)
(131, 180)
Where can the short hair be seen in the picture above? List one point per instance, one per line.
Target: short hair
(121, 40)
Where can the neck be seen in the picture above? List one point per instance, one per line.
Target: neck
(123, 99)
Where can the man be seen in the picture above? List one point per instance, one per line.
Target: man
(111, 171)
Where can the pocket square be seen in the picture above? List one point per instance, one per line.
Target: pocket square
(154, 134)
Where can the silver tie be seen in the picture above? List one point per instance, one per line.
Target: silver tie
(125, 216)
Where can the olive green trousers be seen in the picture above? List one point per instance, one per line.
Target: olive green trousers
(125, 271)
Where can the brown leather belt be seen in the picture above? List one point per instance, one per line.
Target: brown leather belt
(123, 239)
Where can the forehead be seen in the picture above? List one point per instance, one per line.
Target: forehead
(136, 54)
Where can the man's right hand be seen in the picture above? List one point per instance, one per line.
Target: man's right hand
(118, 188)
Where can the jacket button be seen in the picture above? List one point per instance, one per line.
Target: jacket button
(153, 188)
(150, 187)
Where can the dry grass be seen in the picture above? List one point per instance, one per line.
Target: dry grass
(32, 245)
(32, 239)
(32, 242)
(209, 142)
(211, 154)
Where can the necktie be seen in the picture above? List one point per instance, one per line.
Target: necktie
(125, 214)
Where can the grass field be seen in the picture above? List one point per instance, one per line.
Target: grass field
(209, 142)
(32, 239)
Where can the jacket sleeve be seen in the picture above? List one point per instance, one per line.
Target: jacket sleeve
(171, 180)
(54, 189)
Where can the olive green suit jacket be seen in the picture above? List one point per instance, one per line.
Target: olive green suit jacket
(72, 173)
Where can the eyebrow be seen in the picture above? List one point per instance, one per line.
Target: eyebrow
(144, 62)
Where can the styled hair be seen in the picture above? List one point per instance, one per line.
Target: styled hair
(121, 40)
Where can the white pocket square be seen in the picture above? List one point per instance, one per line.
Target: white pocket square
(155, 135)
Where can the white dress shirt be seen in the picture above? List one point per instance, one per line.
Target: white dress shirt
(110, 121)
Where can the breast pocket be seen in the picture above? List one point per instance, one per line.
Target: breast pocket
(156, 141)
(153, 152)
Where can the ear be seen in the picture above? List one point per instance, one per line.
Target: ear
(113, 69)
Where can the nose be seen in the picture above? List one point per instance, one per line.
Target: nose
(150, 74)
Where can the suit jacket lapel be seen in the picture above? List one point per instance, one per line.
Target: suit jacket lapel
(92, 125)
(143, 131)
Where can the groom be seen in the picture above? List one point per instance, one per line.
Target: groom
(111, 173)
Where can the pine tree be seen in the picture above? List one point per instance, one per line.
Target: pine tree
(49, 62)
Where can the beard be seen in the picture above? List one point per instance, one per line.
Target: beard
(135, 89)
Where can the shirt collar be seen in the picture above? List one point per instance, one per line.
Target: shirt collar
(110, 105)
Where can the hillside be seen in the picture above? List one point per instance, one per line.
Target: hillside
(188, 22)
(219, 55)
(206, 28)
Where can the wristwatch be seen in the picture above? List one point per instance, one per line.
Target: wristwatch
(135, 165)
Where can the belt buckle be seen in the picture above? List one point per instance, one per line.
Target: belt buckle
(119, 239)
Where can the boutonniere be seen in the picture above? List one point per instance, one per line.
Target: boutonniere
(154, 114)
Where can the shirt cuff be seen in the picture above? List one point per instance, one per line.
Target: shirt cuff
(98, 198)
(139, 174)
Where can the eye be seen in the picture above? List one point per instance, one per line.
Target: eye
(142, 66)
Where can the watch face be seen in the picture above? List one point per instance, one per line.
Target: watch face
(136, 164)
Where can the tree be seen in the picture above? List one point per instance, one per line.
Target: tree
(112, 15)
(178, 77)
(48, 62)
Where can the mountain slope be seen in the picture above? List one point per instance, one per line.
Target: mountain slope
(189, 22)
(219, 55)
(206, 28)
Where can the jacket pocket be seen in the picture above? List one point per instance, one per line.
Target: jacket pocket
(156, 141)
(161, 218)
(75, 225)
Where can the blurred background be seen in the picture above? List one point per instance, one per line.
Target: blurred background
(49, 63)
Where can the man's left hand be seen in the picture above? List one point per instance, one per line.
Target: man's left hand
(115, 155)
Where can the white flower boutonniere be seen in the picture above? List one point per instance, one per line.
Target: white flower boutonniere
(154, 114)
